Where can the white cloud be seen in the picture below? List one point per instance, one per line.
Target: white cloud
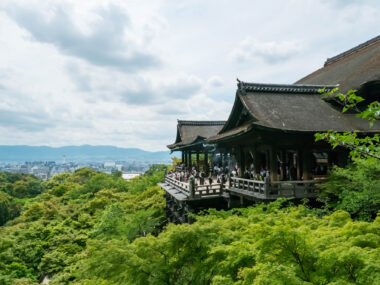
(122, 72)
(215, 81)
(104, 43)
(271, 52)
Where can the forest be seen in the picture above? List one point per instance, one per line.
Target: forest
(95, 228)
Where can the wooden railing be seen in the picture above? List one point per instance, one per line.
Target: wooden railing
(275, 189)
(193, 190)
(181, 186)
(208, 190)
(254, 186)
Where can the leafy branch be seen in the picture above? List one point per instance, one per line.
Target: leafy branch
(367, 146)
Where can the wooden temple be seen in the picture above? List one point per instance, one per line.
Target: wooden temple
(270, 133)
(191, 142)
(186, 195)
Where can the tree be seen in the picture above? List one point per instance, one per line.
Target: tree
(359, 146)
(356, 188)
(4, 208)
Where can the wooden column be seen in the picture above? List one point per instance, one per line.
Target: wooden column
(306, 165)
(184, 154)
(273, 164)
(283, 164)
(190, 162)
(197, 160)
(238, 161)
(299, 165)
(183, 157)
(242, 161)
(205, 165)
(256, 160)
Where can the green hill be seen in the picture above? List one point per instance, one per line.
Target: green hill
(95, 228)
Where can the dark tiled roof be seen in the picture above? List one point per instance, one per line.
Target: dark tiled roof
(279, 107)
(352, 50)
(231, 133)
(189, 132)
(281, 88)
(200, 123)
(350, 69)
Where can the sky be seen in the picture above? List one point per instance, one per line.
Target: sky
(122, 72)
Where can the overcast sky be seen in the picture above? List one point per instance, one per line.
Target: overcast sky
(122, 72)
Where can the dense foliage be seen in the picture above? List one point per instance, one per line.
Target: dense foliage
(355, 189)
(359, 145)
(54, 227)
(15, 188)
(260, 245)
(94, 228)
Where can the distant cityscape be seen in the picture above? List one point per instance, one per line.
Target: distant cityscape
(47, 169)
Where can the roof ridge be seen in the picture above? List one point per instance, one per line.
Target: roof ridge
(200, 123)
(352, 50)
(282, 88)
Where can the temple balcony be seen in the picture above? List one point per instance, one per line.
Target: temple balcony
(257, 189)
(186, 191)
(271, 190)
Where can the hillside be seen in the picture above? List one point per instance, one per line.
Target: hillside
(83, 153)
(94, 228)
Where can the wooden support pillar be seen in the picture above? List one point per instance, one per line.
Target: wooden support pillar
(283, 164)
(241, 201)
(299, 165)
(238, 161)
(197, 160)
(206, 166)
(306, 169)
(190, 162)
(184, 153)
(183, 157)
(256, 160)
(273, 164)
(242, 162)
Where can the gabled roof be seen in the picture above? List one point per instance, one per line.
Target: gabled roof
(292, 108)
(191, 132)
(349, 69)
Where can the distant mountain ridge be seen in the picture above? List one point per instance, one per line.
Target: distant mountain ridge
(83, 153)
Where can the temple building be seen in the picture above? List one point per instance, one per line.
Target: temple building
(191, 142)
(269, 137)
(272, 127)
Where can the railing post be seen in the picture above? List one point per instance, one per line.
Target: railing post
(191, 186)
(221, 188)
(266, 187)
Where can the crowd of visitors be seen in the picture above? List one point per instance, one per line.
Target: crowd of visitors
(218, 174)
